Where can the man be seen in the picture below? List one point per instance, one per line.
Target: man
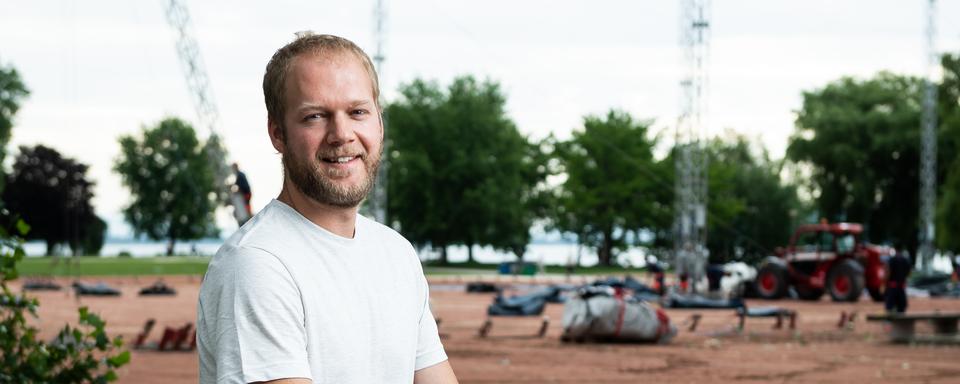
(896, 291)
(653, 266)
(243, 186)
(240, 196)
(309, 291)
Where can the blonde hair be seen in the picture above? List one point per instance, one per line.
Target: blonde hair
(274, 80)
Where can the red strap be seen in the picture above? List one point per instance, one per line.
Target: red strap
(622, 306)
(664, 323)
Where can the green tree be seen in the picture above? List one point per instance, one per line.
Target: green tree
(861, 140)
(52, 194)
(614, 186)
(171, 181)
(12, 93)
(948, 203)
(460, 172)
(751, 209)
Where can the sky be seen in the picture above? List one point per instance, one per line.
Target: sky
(105, 68)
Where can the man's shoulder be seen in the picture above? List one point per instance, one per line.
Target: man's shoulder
(382, 233)
(272, 225)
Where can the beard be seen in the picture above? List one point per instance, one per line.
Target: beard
(319, 184)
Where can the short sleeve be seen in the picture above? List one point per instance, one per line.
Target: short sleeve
(429, 349)
(250, 324)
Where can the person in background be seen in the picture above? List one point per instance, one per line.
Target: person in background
(653, 266)
(243, 187)
(896, 292)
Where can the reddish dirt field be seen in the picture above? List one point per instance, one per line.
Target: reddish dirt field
(816, 352)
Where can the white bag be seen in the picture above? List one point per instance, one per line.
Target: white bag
(597, 315)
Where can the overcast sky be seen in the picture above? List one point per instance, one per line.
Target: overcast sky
(100, 69)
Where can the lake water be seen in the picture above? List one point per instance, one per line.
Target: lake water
(554, 253)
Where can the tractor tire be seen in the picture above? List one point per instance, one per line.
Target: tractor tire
(807, 293)
(845, 281)
(772, 281)
(877, 294)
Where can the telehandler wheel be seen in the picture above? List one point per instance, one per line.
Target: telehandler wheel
(772, 281)
(845, 281)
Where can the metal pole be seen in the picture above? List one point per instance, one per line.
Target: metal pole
(928, 144)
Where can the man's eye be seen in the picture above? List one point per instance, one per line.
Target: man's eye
(359, 112)
(314, 116)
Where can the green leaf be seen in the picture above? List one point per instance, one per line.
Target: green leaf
(119, 360)
(22, 227)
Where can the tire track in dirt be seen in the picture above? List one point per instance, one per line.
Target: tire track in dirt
(672, 363)
(789, 375)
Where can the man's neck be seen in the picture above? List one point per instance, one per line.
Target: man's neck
(340, 221)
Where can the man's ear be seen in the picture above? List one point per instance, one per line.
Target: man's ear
(276, 133)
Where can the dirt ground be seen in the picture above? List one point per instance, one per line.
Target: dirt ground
(816, 352)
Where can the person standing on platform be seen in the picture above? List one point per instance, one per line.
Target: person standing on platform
(243, 187)
(896, 292)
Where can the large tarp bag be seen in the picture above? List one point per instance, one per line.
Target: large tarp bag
(603, 314)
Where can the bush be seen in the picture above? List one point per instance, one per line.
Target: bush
(82, 354)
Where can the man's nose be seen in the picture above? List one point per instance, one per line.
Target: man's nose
(340, 132)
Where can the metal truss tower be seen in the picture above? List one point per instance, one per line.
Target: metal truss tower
(199, 85)
(928, 143)
(377, 203)
(690, 221)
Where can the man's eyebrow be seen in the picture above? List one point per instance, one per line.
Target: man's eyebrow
(351, 104)
(357, 103)
(308, 106)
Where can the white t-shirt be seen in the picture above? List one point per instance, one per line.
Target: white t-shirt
(285, 298)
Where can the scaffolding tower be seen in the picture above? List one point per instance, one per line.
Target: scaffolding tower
(928, 144)
(690, 220)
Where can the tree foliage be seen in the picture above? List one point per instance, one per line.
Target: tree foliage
(948, 204)
(52, 194)
(12, 93)
(460, 172)
(171, 182)
(614, 187)
(751, 209)
(80, 354)
(861, 139)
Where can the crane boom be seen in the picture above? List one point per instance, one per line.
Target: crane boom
(198, 83)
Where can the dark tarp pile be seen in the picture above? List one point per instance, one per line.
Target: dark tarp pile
(158, 289)
(527, 305)
(41, 285)
(481, 287)
(936, 284)
(99, 289)
(640, 290)
(602, 313)
(674, 300)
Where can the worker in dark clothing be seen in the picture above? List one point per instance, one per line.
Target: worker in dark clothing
(243, 187)
(896, 292)
(654, 267)
(714, 275)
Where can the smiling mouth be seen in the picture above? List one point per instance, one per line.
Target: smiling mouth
(339, 159)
